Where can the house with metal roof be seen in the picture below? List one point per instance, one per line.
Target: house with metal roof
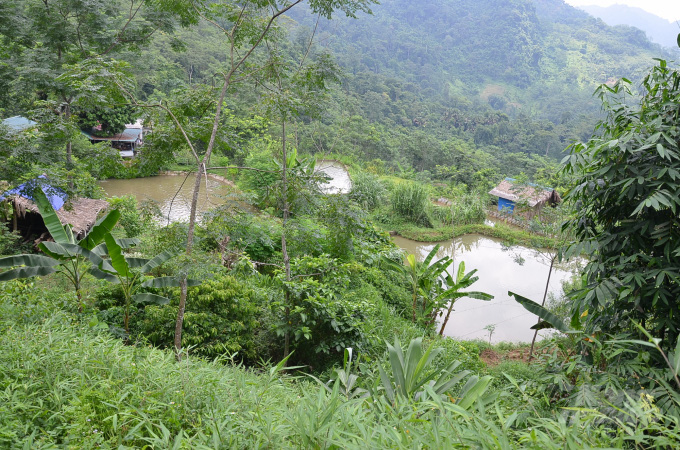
(530, 196)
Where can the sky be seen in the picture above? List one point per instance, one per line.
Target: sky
(668, 9)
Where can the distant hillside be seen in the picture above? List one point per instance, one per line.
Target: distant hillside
(658, 29)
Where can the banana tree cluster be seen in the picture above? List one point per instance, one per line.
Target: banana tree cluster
(432, 287)
(98, 253)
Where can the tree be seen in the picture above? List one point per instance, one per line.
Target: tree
(627, 201)
(246, 27)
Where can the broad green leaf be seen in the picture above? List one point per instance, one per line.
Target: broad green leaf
(103, 275)
(118, 261)
(157, 261)
(541, 312)
(136, 263)
(473, 389)
(27, 260)
(152, 299)
(50, 217)
(103, 226)
(67, 251)
(26, 272)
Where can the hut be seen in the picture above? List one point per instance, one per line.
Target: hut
(531, 197)
(80, 213)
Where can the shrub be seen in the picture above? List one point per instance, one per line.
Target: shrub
(130, 218)
(367, 190)
(410, 201)
(221, 318)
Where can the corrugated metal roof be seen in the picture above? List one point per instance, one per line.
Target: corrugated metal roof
(129, 135)
(532, 193)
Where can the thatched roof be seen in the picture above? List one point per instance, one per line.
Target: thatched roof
(531, 193)
(81, 216)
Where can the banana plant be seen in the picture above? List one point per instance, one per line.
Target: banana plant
(424, 277)
(130, 273)
(453, 291)
(66, 254)
(412, 377)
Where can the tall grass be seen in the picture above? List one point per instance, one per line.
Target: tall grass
(464, 210)
(367, 190)
(65, 383)
(411, 201)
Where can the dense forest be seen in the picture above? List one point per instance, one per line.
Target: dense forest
(286, 315)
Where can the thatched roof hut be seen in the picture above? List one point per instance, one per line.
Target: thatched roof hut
(509, 193)
(82, 214)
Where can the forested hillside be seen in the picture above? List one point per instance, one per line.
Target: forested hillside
(505, 86)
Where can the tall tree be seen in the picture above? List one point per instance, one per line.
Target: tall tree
(627, 203)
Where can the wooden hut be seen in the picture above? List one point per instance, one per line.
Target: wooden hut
(531, 198)
(80, 213)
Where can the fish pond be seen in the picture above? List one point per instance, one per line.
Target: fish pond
(172, 193)
(517, 269)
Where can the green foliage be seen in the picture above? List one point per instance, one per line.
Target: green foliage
(66, 254)
(412, 378)
(322, 317)
(221, 319)
(626, 201)
(367, 190)
(111, 120)
(411, 201)
(130, 219)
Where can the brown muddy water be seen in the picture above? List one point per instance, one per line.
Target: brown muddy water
(498, 272)
(172, 193)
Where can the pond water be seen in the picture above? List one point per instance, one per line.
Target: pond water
(172, 193)
(340, 182)
(499, 272)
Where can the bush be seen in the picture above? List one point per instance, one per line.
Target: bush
(410, 201)
(130, 218)
(220, 318)
(367, 190)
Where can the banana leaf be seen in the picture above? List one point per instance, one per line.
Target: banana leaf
(124, 243)
(67, 251)
(136, 263)
(118, 261)
(101, 228)
(157, 261)
(50, 218)
(27, 260)
(104, 275)
(26, 272)
(150, 299)
(541, 312)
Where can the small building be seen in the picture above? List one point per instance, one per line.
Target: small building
(81, 213)
(127, 142)
(17, 124)
(530, 196)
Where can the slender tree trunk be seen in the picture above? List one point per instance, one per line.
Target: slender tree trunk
(284, 248)
(545, 295)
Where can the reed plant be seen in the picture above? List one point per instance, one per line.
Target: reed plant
(410, 200)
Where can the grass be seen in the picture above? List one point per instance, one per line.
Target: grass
(443, 233)
(66, 383)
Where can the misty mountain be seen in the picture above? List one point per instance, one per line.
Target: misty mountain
(658, 29)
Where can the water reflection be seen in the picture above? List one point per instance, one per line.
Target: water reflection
(500, 270)
(172, 193)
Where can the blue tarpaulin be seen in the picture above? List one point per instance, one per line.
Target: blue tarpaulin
(56, 196)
